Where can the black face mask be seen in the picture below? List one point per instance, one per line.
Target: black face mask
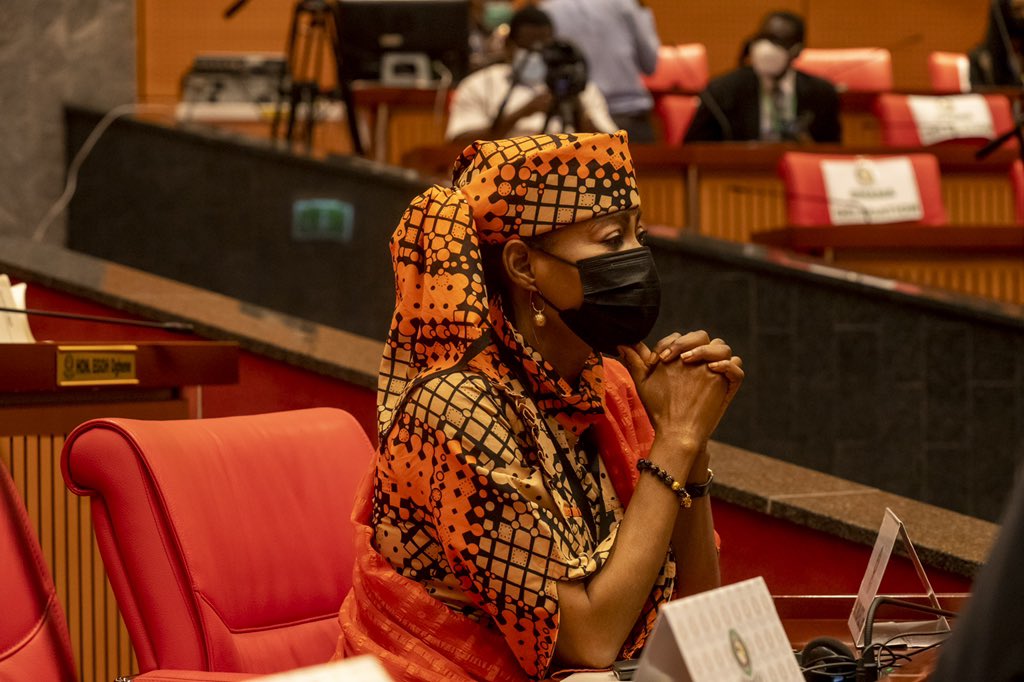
(621, 299)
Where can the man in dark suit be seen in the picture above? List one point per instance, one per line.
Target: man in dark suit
(766, 98)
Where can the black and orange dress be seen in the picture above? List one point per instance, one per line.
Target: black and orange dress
(495, 478)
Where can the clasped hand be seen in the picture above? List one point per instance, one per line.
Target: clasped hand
(686, 383)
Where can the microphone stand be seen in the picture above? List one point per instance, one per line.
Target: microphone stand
(567, 109)
(517, 70)
(867, 669)
(182, 327)
(1017, 131)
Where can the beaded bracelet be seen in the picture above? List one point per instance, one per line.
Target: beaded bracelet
(675, 486)
(684, 493)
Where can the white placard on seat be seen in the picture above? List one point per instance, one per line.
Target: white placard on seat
(732, 633)
(955, 117)
(871, 191)
(357, 669)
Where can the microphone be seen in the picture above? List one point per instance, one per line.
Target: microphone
(716, 111)
(234, 8)
(827, 658)
(181, 327)
(868, 663)
(995, 143)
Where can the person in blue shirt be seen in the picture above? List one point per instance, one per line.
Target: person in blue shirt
(620, 41)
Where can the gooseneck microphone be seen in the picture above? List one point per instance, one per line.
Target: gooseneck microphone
(868, 664)
(181, 327)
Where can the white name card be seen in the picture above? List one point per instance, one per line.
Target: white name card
(14, 327)
(732, 633)
(357, 669)
(891, 531)
(955, 117)
(868, 192)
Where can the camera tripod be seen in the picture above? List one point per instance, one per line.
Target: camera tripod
(313, 28)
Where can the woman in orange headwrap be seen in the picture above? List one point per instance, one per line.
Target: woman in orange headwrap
(506, 531)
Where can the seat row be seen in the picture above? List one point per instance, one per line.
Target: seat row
(684, 68)
(683, 71)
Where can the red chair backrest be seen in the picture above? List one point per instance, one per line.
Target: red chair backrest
(34, 642)
(228, 542)
(807, 202)
(683, 68)
(861, 69)
(949, 72)
(676, 113)
(899, 128)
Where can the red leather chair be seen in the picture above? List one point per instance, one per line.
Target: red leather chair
(676, 113)
(807, 203)
(227, 541)
(34, 642)
(949, 72)
(900, 130)
(862, 69)
(682, 68)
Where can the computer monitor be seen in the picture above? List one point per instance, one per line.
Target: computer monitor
(368, 30)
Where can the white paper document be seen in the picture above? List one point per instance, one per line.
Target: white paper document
(731, 633)
(14, 327)
(890, 532)
(871, 191)
(955, 117)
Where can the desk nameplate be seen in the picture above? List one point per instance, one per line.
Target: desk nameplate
(97, 365)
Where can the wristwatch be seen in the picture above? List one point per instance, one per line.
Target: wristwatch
(700, 489)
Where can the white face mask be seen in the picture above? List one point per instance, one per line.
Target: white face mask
(768, 59)
(530, 67)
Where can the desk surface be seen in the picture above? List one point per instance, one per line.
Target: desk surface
(807, 617)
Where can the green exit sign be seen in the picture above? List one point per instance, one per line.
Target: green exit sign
(323, 220)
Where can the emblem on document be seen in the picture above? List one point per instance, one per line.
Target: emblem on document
(740, 653)
(864, 173)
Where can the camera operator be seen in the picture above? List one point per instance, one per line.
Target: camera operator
(539, 85)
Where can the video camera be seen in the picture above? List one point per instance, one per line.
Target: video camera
(566, 74)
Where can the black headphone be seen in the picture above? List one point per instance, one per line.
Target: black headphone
(826, 659)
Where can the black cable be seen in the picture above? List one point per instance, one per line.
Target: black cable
(822, 666)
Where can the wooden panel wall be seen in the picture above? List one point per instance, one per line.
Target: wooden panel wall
(63, 525)
(170, 34)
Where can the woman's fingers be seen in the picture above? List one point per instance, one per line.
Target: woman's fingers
(715, 351)
(638, 359)
(732, 371)
(674, 345)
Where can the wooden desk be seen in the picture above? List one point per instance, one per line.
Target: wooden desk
(983, 261)
(807, 617)
(37, 412)
(732, 190)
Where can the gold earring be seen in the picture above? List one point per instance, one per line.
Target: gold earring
(539, 318)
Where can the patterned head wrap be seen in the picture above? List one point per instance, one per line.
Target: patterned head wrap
(503, 190)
